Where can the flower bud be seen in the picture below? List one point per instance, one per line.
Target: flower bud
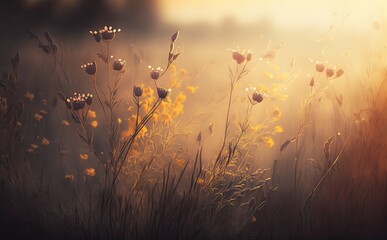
(320, 67)
(137, 91)
(329, 72)
(90, 68)
(339, 73)
(162, 92)
(257, 97)
(119, 64)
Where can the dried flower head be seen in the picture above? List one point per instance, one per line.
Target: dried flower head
(108, 33)
(97, 35)
(119, 64)
(137, 91)
(162, 92)
(257, 97)
(339, 73)
(238, 57)
(311, 83)
(329, 72)
(78, 101)
(241, 55)
(320, 67)
(155, 73)
(90, 68)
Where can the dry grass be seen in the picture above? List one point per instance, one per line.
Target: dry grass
(136, 167)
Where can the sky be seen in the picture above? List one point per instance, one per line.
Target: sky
(288, 13)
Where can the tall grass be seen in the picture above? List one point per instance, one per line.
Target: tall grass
(140, 180)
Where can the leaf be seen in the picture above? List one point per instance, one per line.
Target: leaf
(286, 143)
(174, 36)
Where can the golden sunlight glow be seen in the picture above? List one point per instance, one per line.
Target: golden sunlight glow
(289, 13)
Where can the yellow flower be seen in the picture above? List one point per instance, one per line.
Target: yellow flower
(278, 129)
(91, 114)
(90, 172)
(200, 181)
(94, 124)
(268, 141)
(83, 156)
(191, 89)
(65, 123)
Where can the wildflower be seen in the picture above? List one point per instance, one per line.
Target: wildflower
(91, 114)
(268, 141)
(191, 89)
(311, 83)
(94, 124)
(90, 172)
(69, 177)
(155, 73)
(320, 67)
(238, 57)
(162, 92)
(83, 156)
(119, 120)
(339, 73)
(257, 97)
(108, 33)
(90, 68)
(329, 72)
(38, 117)
(45, 141)
(78, 101)
(276, 114)
(119, 64)
(278, 129)
(137, 91)
(65, 123)
(200, 181)
(29, 96)
(97, 35)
